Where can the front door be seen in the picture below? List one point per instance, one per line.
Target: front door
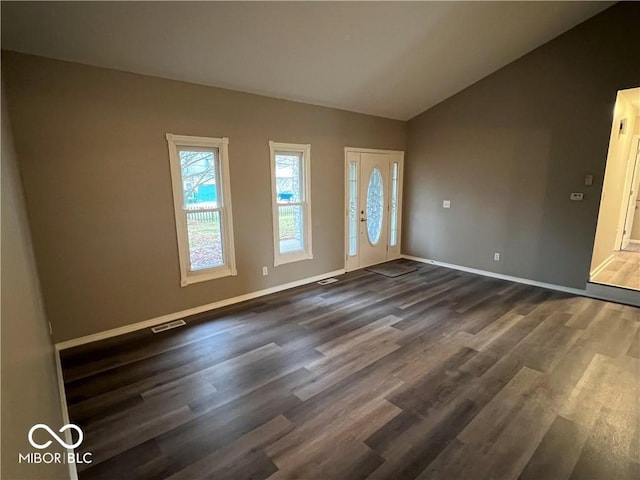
(373, 199)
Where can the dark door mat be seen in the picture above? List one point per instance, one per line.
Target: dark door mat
(391, 269)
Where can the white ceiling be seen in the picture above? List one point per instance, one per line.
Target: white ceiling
(392, 59)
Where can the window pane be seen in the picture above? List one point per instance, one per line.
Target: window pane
(291, 225)
(205, 240)
(375, 204)
(288, 177)
(353, 209)
(199, 178)
(394, 205)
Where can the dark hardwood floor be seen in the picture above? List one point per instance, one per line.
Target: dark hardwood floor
(437, 374)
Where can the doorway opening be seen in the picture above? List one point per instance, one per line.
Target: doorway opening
(616, 251)
(373, 201)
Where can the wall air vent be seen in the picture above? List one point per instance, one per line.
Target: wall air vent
(327, 281)
(168, 326)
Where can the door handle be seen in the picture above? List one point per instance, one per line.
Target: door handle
(362, 219)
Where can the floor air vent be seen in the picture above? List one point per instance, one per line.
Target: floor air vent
(327, 281)
(168, 326)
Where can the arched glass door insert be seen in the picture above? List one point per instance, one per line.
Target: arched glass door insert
(375, 206)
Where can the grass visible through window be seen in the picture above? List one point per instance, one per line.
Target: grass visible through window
(205, 240)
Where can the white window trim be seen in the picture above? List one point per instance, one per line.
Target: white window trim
(307, 252)
(394, 250)
(187, 276)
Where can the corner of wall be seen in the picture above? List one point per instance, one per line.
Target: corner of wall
(30, 393)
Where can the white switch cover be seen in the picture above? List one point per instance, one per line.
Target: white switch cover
(446, 204)
(577, 196)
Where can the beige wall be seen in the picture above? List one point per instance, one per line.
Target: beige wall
(510, 149)
(92, 148)
(635, 227)
(29, 388)
(612, 208)
(635, 230)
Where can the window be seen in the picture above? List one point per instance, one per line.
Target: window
(393, 234)
(353, 208)
(290, 185)
(202, 203)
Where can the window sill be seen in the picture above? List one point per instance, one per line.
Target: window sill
(207, 275)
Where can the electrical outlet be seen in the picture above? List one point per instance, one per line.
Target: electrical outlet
(496, 257)
(265, 271)
(446, 204)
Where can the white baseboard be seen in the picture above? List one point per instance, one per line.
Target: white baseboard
(634, 241)
(485, 273)
(114, 332)
(601, 267)
(73, 471)
(609, 294)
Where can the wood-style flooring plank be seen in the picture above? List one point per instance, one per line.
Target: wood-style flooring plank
(435, 374)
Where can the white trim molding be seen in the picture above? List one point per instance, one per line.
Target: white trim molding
(393, 251)
(591, 291)
(485, 273)
(73, 471)
(601, 267)
(351, 260)
(370, 150)
(114, 332)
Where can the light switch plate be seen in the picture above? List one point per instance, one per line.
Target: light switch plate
(577, 196)
(446, 204)
(588, 180)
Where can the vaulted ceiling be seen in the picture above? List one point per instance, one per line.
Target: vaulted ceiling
(392, 59)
